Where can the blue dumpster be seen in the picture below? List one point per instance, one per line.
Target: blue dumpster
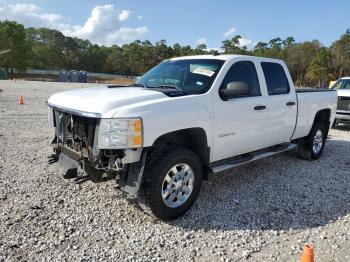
(63, 75)
(3, 74)
(74, 76)
(82, 76)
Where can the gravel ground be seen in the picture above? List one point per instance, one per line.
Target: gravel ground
(265, 211)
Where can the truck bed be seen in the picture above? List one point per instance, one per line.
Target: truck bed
(311, 101)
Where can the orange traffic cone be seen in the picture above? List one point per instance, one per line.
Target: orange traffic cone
(21, 100)
(308, 254)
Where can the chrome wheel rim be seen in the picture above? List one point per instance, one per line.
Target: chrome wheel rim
(177, 185)
(318, 142)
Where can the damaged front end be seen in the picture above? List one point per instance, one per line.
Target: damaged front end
(82, 141)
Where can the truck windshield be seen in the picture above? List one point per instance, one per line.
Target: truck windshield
(342, 84)
(192, 76)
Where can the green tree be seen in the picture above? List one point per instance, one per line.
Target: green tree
(341, 55)
(260, 49)
(233, 46)
(275, 50)
(163, 51)
(320, 67)
(308, 62)
(48, 48)
(12, 36)
(93, 59)
(72, 52)
(200, 49)
(298, 58)
(289, 42)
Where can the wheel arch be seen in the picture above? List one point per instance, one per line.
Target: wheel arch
(323, 116)
(194, 139)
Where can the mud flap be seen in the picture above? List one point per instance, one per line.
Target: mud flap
(67, 162)
(131, 179)
(96, 175)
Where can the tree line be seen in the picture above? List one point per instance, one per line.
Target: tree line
(309, 62)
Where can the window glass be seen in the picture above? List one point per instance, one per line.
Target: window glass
(243, 71)
(342, 84)
(346, 84)
(276, 79)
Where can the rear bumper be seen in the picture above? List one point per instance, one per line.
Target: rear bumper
(342, 115)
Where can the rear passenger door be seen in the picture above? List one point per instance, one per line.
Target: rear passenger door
(281, 103)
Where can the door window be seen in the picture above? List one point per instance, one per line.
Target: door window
(276, 79)
(243, 71)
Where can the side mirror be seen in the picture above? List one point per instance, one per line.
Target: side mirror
(235, 89)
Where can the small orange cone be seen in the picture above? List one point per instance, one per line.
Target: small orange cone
(21, 100)
(308, 254)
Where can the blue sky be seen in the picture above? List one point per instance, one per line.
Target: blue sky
(185, 22)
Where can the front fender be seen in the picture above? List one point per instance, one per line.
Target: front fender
(168, 115)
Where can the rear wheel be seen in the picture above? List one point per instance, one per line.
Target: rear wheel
(311, 147)
(335, 123)
(171, 183)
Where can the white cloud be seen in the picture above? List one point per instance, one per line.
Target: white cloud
(242, 42)
(229, 32)
(28, 14)
(246, 42)
(104, 26)
(201, 40)
(139, 17)
(125, 35)
(124, 15)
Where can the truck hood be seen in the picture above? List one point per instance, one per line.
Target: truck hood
(343, 92)
(101, 101)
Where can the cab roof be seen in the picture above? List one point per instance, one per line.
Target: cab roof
(226, 57)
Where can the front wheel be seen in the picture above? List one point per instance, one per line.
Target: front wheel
(311, 147)
(171, 183)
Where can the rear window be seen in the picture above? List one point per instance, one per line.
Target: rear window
(276, 79)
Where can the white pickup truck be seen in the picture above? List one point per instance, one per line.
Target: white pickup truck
(184, 119)
(343, 108)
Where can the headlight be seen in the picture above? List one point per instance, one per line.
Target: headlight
(50, 117)
(120, 133)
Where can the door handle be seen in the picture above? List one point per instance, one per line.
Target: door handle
(290, 103)
(259, 107)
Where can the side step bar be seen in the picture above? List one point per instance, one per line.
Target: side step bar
(253, 156)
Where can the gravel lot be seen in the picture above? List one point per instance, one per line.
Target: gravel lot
(265, 211)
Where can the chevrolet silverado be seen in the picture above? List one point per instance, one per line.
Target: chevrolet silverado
(186, 118)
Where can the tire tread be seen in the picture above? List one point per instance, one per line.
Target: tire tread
(154, 164)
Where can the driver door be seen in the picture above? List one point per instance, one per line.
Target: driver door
(240, 122)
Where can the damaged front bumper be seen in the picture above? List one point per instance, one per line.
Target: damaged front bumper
(75, 147)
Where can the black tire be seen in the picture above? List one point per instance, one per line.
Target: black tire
(306, 144)
(335, 124)
(158, 164)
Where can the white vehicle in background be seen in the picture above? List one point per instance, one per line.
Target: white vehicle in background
(343, 108)
(184, 119)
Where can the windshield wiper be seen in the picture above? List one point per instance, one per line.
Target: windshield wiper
(168, 86)
(140, 85)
